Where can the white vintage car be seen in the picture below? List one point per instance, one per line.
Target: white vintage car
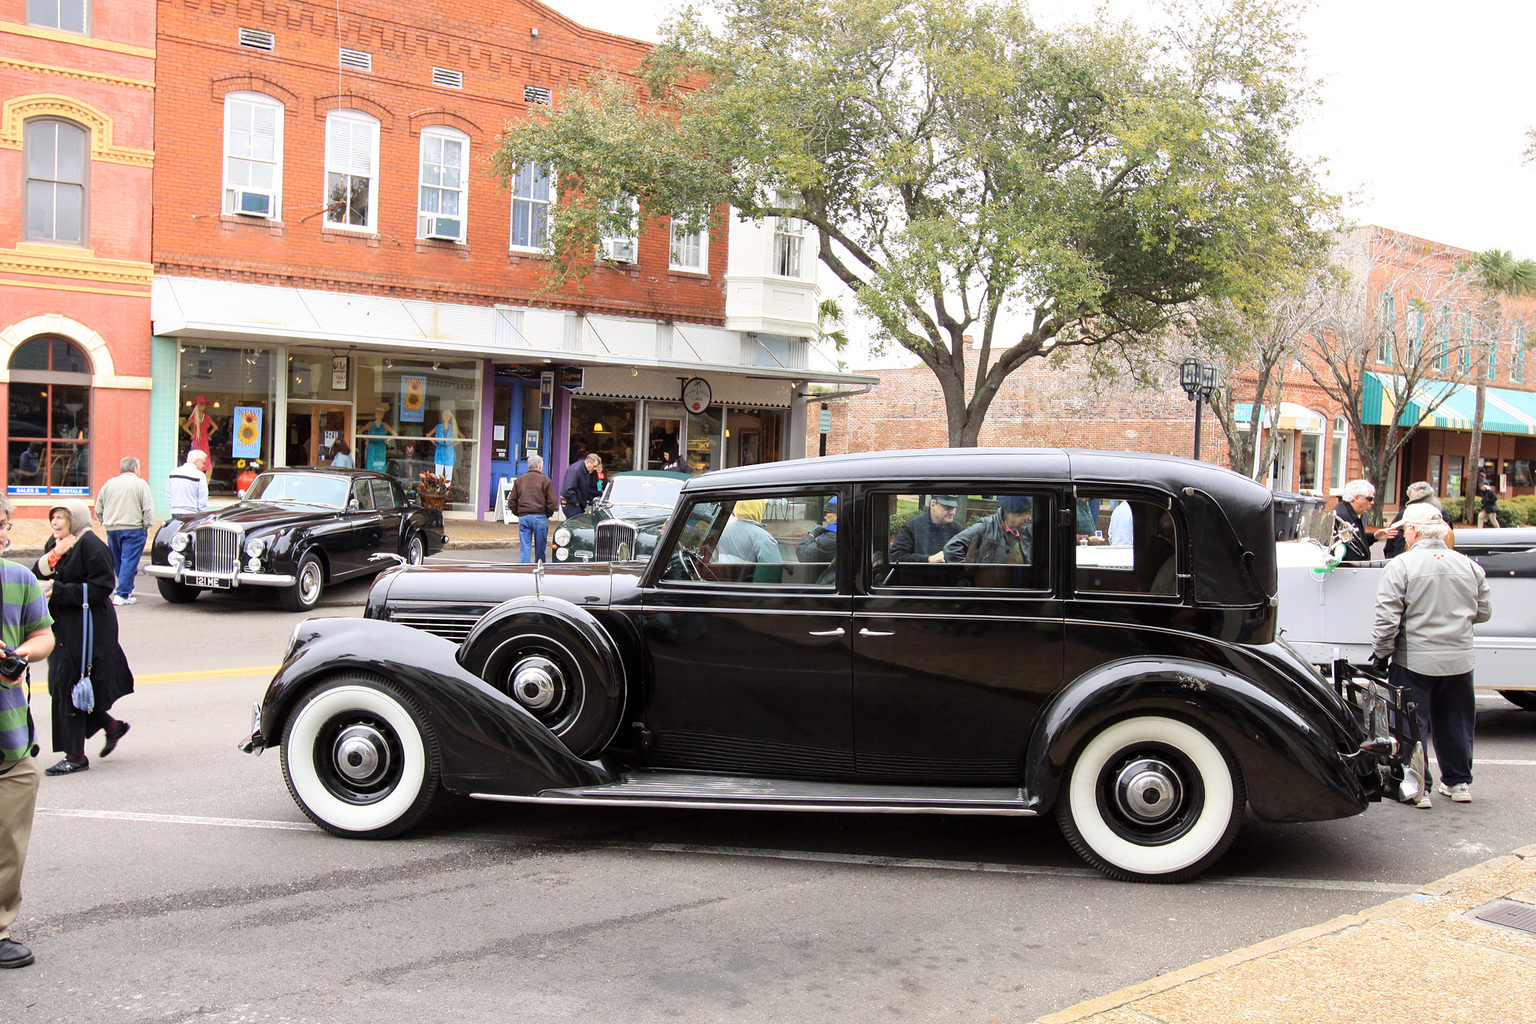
(1327, 614)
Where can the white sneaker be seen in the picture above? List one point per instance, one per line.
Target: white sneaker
(1460, 793)
(1422, 803)
(119, 599)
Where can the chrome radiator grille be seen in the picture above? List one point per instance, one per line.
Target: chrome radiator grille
(216, 549)
(453, 626)
(615, 541)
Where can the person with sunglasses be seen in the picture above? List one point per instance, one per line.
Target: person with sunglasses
(1357, 498)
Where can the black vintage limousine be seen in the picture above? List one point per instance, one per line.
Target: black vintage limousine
(790, 647)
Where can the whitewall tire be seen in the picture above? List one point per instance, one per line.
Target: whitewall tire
(360, 759)
(1151, 799)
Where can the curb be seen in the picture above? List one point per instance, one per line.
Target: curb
(1121, 999)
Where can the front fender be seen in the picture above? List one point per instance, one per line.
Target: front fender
(487, 633)
(488, 743)
(1290, 759)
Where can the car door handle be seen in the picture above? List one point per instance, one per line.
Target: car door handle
(829, 632)
(874, 632)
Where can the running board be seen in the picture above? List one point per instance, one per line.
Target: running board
(725, 792)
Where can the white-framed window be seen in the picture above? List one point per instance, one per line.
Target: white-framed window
(623, 247)
(67, 15)
(690, 249)
(1517, 355)
(253, 155)
(788, 242)
(351, 176)
(532, 193)
(58, 157)
(1338, 455)
(443, 192)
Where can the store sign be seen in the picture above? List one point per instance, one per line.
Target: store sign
(696, 394)
(571, 377)
(826, 421)
(246, 444)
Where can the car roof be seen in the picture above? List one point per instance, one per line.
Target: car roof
(326, 471)
(664, 474)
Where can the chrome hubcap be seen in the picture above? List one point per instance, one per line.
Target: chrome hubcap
(537, 683)
(1148, 791)
(309, 583)
(361, 753)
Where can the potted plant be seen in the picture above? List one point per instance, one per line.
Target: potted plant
(432, 490)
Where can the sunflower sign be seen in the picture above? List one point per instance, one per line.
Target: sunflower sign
(246, 443)
(413, 399)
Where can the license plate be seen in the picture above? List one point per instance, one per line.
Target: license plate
(216, 582)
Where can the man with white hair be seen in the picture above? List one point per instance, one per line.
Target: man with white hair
(186, 489)
(1354, 502)
(1427, 601)
(126, 508)
(533, 501)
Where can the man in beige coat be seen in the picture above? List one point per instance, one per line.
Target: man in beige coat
(126, 508)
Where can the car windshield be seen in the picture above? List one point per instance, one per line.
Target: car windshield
(300, 489)
(633, 489)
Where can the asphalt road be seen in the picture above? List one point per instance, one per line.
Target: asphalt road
(177, 881)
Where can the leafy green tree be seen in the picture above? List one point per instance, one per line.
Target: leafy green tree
(967, 171)
(1494, 273)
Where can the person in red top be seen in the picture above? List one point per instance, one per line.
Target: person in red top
(200, 426)
(533, 501)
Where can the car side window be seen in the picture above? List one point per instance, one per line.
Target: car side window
(960, 540)
(1125, 545)
(361, 494)
(777, 541)
(383, 494)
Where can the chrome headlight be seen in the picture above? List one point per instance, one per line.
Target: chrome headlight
(176, 558)
(180, 541)
(561, 554)
(255, 546)
(562, 536)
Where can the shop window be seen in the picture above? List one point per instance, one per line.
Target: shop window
(690, 246)
(606, 428)
(66, 15)
(50, 418)
(1338, 455)
(1434, 474)
(57, 161)
(410, 417)
(351, 159)
(234, 419)
(1308, 470)
(444, 187)
(532, 194)
(253, 155)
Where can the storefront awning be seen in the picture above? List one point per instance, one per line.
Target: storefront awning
(1291, 417)
(1450, 406)
(244, 313)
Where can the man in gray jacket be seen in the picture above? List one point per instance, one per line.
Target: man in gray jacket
(126, 508)
(1426, 604)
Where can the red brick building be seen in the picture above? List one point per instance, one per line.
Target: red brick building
(77, 138)
(330, 244)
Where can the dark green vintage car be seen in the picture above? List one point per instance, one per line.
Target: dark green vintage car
(645, 497)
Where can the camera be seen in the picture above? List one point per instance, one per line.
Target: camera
(12, 665)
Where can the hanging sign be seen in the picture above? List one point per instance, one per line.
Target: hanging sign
(696, 394)
(413, 399)
(246, 444)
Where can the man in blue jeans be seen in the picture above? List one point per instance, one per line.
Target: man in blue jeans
(126, 508)
(533, 501)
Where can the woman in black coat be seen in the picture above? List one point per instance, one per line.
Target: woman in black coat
(77, 566)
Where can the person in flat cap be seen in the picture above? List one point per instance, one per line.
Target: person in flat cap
(1427, 602)
(1419, 492)
(923, 536)
(1001, 540)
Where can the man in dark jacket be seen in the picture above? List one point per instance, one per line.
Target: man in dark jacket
(1419, 493)
(1357, 498)
(820, 545)
(922, 538)
(997, 544)
(533, 501)
(579, 485)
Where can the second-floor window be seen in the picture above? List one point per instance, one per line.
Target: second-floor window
(532, 194)
(351, 157)
(624, 246)
(69, 15)
(443, 188)
(788, 240)
(1517, 355)
(57, 159)
(690, 247)
(1386, 329)
(253, 155)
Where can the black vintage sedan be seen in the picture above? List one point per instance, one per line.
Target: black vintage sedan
(296, 530)
(782, 651)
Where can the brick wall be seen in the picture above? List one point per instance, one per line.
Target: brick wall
(495, 47)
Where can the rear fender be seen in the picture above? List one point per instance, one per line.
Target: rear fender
(488, 743)
(1290, 762)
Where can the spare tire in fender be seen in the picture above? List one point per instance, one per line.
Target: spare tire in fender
(557, 663)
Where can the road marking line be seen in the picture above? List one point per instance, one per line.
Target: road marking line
(177, 819)
(1481, 762)
(212, 673)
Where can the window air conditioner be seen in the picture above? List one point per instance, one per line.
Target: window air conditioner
(253, 204)
(447, 229)
(619, 250)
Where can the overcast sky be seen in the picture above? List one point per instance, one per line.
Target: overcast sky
(1423, 116)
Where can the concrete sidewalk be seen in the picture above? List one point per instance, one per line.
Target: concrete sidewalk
(1424, 957)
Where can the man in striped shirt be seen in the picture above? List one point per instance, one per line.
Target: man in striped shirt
(26, 628)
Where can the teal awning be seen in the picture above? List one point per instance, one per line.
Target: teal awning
(1446, 404)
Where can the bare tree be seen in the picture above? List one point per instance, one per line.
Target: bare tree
(1392, 315)
(1493, 274)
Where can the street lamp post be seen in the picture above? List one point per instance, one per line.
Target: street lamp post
(1199, 381)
